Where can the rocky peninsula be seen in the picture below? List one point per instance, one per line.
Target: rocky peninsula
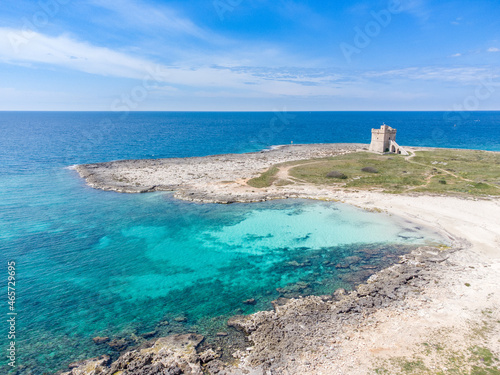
(209, 179)
(434, 312)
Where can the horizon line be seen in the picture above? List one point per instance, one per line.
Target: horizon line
(249, 111)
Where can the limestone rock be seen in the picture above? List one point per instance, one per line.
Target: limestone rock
(174, 354)
(339, 294)
(208, 355)
(92, 366)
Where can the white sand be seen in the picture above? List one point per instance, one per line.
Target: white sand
(448, 311)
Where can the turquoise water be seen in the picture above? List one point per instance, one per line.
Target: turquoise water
(93, 263)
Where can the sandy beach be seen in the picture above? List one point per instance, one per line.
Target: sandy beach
(457, 296)
(435, 304)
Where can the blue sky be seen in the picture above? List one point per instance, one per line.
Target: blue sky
(121, 55)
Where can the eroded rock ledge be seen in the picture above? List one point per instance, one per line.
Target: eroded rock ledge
(281, 338)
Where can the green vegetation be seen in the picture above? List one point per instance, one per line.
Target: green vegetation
(266, 179)
(369, 170)
(452, 172)
(336, 174)
(283, 182)
(394, 174)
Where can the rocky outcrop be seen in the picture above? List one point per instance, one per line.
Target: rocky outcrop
(176, 354)
(168, 355)
(300, 325)
(92, 366)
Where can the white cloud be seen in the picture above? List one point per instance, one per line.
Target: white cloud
(129, 13)
(456, 55)
(20, 48)
(185, 79)
(464, 75)
(493, 49)
(417, 8)
(64, 51)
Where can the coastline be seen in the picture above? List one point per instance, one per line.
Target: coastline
(432, 296)
(207, 179)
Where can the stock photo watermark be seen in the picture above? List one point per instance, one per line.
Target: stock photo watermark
(277, 124)
(47, 10)
(267, 135)
(140, 92)
(363, 37)
(461, 111)
(11, 314)
(224, 6)
(123, 105)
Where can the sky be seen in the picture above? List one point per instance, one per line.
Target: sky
(250, 55)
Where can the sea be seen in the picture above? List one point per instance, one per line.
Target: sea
(90, 263)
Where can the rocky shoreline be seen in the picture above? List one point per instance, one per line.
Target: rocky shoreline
(208, 179)
(282, 336)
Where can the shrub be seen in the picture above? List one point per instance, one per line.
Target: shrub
(443, 182)
(369, 170)
(336, 174)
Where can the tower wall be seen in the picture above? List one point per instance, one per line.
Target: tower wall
(381, 138)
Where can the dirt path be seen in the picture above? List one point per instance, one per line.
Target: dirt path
(428, 180)
(283, 173)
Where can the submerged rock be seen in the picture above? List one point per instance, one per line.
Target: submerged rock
(100, 340)
(294, 263)
(295, 290)
(148, 335)
(302, 324)
(119, 344)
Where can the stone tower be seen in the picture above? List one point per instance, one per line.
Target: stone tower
(381, 139)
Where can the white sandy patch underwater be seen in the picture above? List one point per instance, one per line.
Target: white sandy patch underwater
(267, 235)
(314, 226)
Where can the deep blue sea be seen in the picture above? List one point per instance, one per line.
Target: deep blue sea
(92, 263)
